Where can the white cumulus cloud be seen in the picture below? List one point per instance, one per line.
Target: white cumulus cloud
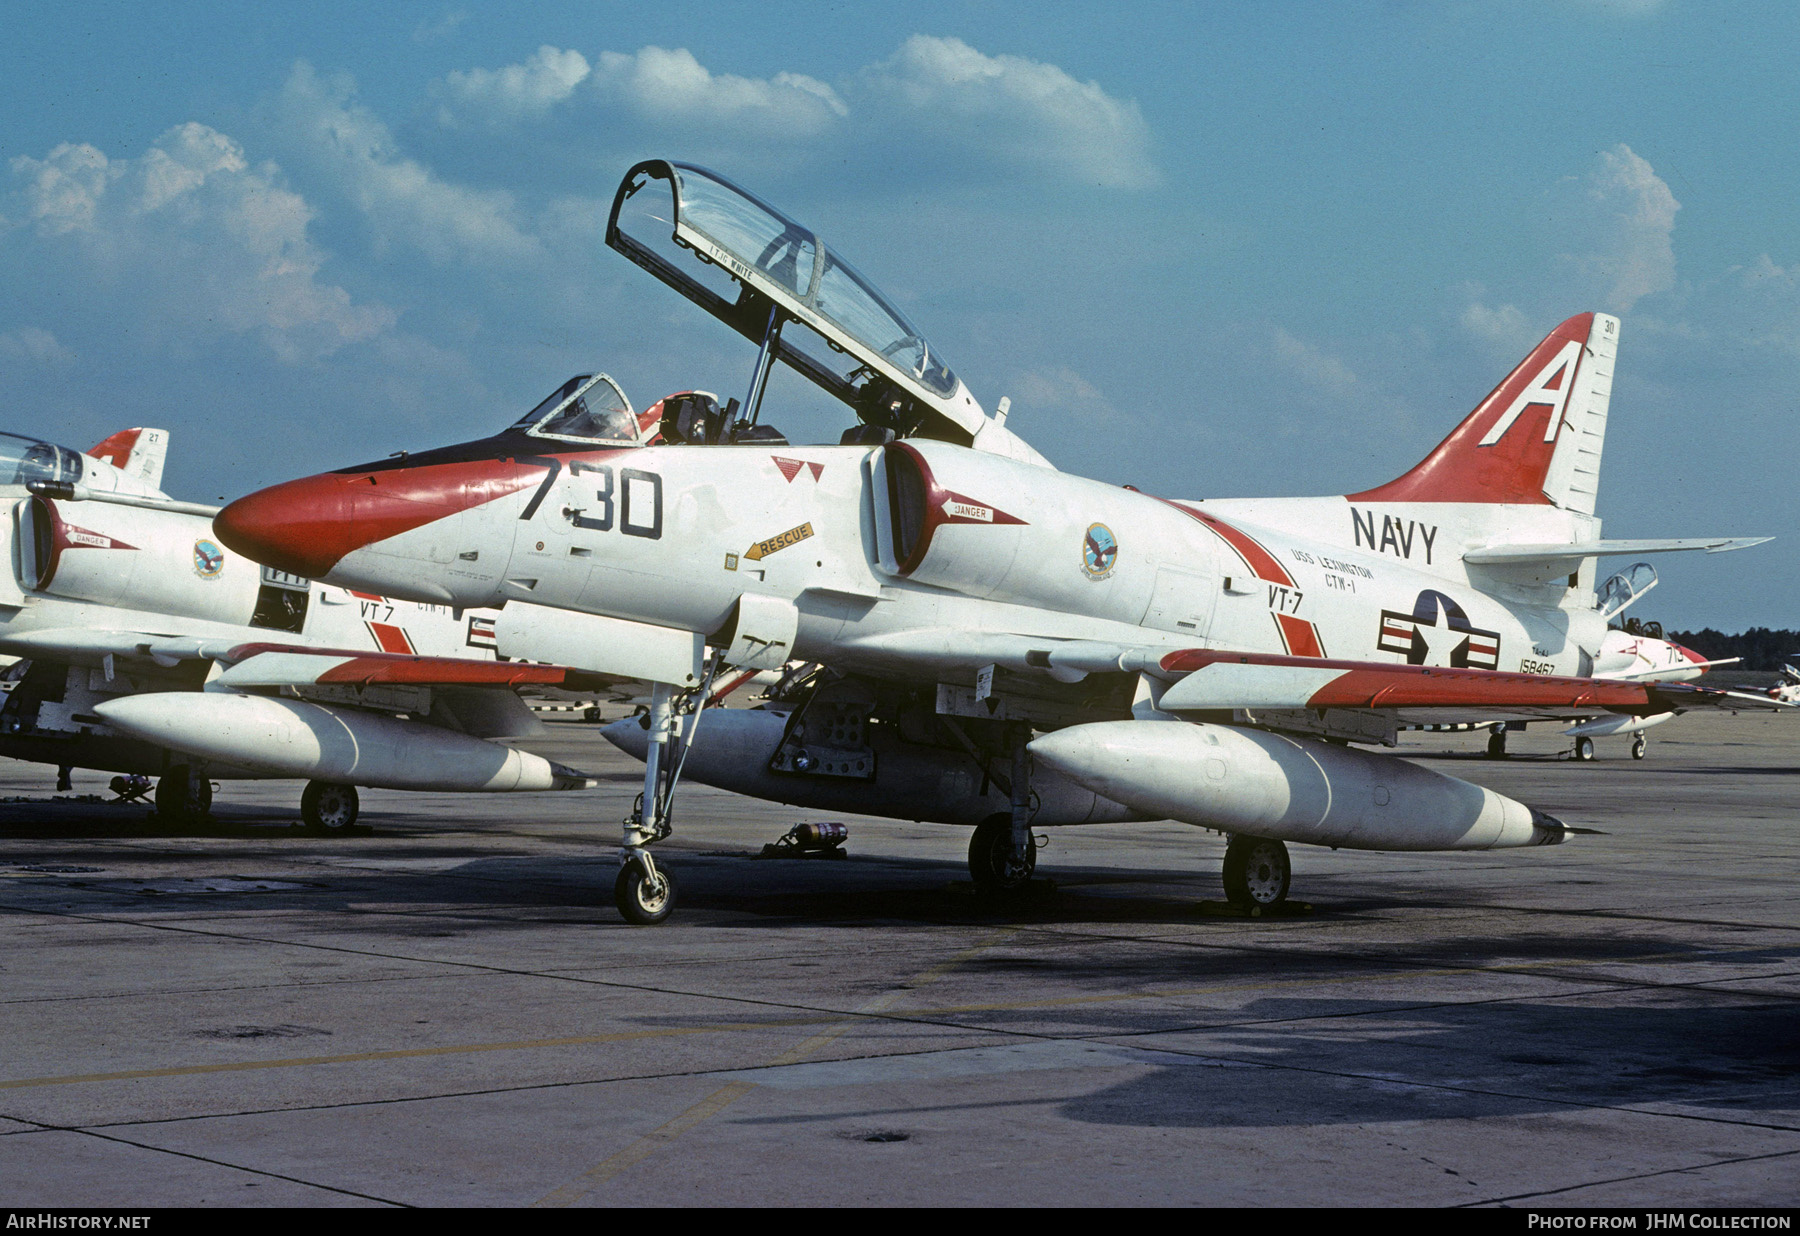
(34, 343)
(404, 202)
(1013, 110)
(1062, 395)
(1613, 232)
(657, 83)
(1625, 214)
(209, 240)
(1312, 364)
(515, 91)
(1505, 326)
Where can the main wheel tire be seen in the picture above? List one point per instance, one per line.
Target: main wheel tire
(1639, 745)
(181, 797)
(642, 901)
(329, 808)
(1584, 749)
(1257, 872)
(991, 863)
(1497, 745)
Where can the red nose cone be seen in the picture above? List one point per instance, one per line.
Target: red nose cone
(303, 526)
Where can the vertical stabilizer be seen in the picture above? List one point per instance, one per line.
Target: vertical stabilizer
(138, 453)
(1536, 438)
(1573, 482)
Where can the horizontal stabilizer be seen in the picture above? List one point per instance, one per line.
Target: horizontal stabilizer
(1566, 552)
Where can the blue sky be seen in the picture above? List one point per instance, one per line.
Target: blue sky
(1210, 250)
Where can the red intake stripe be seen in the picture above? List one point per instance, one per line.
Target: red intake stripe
(1254, 555)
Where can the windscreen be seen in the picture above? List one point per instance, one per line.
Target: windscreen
(586, 408)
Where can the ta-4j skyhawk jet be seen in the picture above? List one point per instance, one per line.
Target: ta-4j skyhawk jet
(1004, 644)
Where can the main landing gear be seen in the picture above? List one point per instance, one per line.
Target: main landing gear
(992, 863)
(1497, 742)
(1584, 747)
(643, 891)
(328, 808)
(183, 795)
(1003, 853)
(1257, 873)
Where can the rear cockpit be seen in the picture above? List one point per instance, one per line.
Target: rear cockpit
(24, 460)
(779, 285)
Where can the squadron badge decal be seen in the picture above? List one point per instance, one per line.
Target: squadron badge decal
(1099, 551)
(209, 559)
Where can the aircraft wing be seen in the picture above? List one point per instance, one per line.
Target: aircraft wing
(1218, 680)
(284, 665)
(1211, 680)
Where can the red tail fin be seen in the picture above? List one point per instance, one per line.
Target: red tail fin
(1554, 401)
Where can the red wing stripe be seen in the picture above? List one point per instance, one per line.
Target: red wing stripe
(428, 671)
(1369, 684)
(361, 666)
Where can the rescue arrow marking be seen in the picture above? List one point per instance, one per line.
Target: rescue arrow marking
(793, 536)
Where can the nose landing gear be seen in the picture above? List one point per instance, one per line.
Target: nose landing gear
(643, 891)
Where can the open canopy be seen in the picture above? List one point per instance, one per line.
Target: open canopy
(783, 273)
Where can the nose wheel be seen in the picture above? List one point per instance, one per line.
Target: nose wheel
(1257, 873)
(644, 892)
(1639, 745)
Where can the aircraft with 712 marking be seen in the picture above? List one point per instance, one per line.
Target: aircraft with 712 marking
(995, 642)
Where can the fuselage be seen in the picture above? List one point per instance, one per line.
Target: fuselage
(880, 551)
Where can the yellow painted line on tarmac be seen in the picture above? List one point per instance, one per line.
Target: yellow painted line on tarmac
(716, 1102)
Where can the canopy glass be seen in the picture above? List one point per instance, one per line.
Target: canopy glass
(586, 408)
(759, 270)
(26, 459)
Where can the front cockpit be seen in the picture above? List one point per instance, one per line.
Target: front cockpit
(588, 409)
